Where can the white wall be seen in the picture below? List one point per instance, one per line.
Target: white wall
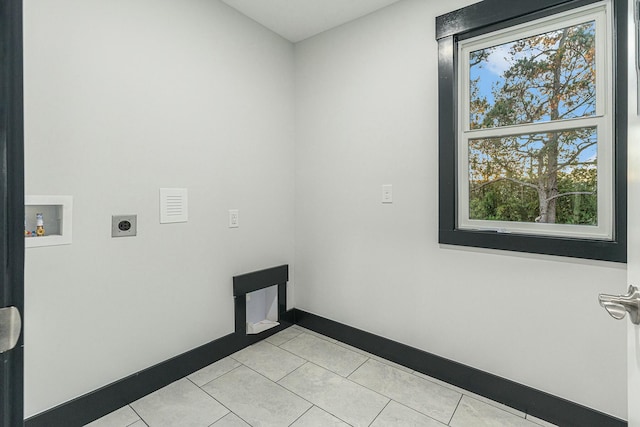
(366, 115)
(122, 98)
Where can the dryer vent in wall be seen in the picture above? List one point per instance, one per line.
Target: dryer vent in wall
(260, 300)
(173, 205)
(262, 310)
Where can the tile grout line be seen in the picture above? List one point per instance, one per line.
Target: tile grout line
(221, 404)
(268, 379)
(357, 384)
(329, 369)
(374, 357)
(139, 416)
(375, 391)
(291, 352)
(214, 399)
(391, 398)
(283, 387)
(313, 404)
(301, 415)
(357, 367)
(451, 387)
(283, 349)
(524, 417)
(320, 336)
(278, 345)
(347, 377)
(278, 382)
(455, 410)
(381, 410)
(461, 391)
(219, 376)
(538, 424)
(231, 412)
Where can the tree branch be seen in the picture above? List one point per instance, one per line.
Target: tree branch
(570, 194)
(575, 155)
(526, 184)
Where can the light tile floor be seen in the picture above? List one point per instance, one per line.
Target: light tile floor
(299, 378)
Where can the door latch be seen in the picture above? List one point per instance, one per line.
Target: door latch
(619, 305)
(10, 327)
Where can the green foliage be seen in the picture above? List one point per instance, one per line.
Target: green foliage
(504, 201)
(544, 177)
(509, 201)
(578, 208)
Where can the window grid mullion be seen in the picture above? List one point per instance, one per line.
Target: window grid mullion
(530, 128)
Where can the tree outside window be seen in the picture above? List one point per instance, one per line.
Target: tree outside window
(536, 138)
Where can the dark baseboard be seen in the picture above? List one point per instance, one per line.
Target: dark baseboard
(523, 398)
(91, 406)
(98, 403)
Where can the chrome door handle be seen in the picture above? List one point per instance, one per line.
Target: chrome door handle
(619, 305)
(10, 327)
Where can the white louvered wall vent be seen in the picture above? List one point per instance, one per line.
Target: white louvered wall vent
(173, 205)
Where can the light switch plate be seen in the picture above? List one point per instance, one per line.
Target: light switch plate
(234, 218)
(387, 193)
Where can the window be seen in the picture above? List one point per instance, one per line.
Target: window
(532, 128)
(535, 139)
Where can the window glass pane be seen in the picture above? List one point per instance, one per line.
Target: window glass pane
(546, 77)
(543, 177)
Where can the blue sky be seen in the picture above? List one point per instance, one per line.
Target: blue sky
(490, 72)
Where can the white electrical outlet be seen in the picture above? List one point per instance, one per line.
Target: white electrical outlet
(234, 218)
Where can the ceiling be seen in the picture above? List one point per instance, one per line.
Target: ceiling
(296, 20)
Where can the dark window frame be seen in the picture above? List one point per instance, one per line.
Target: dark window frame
(488, 16)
